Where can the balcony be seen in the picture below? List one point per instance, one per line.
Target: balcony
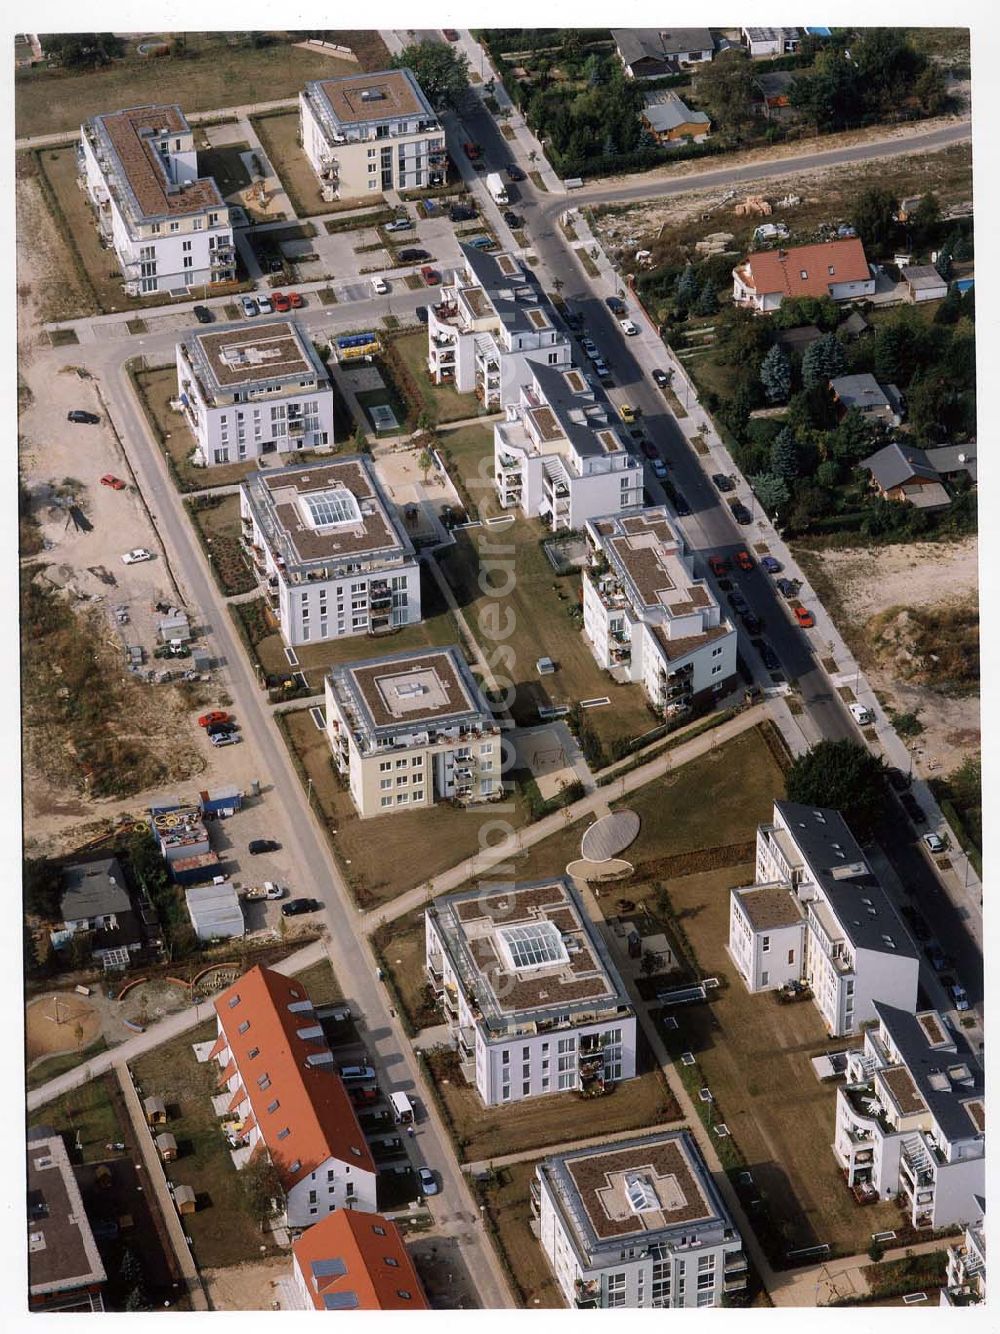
(735, 1262)
(587, 1294)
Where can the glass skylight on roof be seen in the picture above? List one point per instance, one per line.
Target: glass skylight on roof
(641, 1195)
(533, 945)
(326, 509)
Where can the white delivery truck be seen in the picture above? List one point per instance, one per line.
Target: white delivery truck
(402, 1109)
(496, 187)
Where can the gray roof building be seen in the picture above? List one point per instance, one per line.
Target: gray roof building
(94, 889)
(951, 459)
(65, 1271)
(650, 51)
(866, 394)
(664, 111)
(948, 1078)
(215, 911)
(897, 464)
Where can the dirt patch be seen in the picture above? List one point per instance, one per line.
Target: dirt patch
(58, 1023)
(246, 1287)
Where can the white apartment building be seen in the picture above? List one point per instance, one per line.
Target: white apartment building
(368, 133)
(637, 1223)
(647, 618)
(817, 914)
(282, 1093)
(966, 1284)
(911, 1119)
(169, 227)
(252, 390)
(490, 326)
(560, 455)
(533, 1001)
(329, 550)
(412, 729)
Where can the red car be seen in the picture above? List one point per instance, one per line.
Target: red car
(472, 151)
(281, 302)
(805, 618)
(210, 719)
(744, 560)
(718, 565)
(430, 276)
(116, 483)
(296, 300)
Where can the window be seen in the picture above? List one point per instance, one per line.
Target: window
(295, 1166)
(273, 1106)
(185, 245)
(385, 801)
(418, 794)
(763, 979)
(175, 226)
(716, 652)
(244, 1026)
(791, 956)
(264, 1081)
(526, 1088)
(283, 1134)
(379, 1231)
(505, 1058)
(254, 1051)
(391, 1261)
(385, 783)
(402, 1292)
(717, 670)
(188, 262)
(616, 1288)
(765, 944)
(384, 766)
(312, 1197)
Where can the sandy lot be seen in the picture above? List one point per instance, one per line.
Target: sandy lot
(924, 574)
(59, 1022)
(246, 1287)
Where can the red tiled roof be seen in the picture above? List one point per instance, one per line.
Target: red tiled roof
(357, 1240)
(781, 270)
(312, 1101)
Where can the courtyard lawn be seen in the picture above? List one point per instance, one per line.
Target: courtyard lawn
(217, 522)
(279, 137)
(156, 387)
(401, 950)
(89, 1117)
(507, 1197)
(441, 402)
(321, 983)
(222, 1230)
(468, 453)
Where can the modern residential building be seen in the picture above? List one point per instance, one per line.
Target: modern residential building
(490, 326)
(875, 402)
(665, 116)
(169, 227)
(329, 550)
(355, 1262)
(837, 269)
(637, 1223)
(65, 1271)
(368, 133)
(966, 1283)
(771, 41)
(560, 454)
(906, 473)
(911, 1119)
(254, 389)
(651, 53)
(533, 1001)
(817, 914)
(412, 729)
(282, 1093)
(96, 902)
(647, 618)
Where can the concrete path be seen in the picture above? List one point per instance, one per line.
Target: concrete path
(564, 1146)
(157, 1181)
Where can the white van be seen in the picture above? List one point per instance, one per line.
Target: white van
(862, 716)
(402, 1109)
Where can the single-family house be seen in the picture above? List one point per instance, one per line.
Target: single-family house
(838, 269)
(903, 473)
(355, 1262)
(953, 461)
(875, 402)
(95, 899)
(65, 1270)
(763, 42)
(923, 283)
(669, 119)
(651, 53)
(772, 94)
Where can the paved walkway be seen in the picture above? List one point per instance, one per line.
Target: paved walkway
(564, 1146)
(156, 1179)
(594, 803)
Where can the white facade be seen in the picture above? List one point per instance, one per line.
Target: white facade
(911, 1119)
(771, 41)
(645, 615)
(329, 551)
(412, 729)
(169, 228)
(369, 133)
(489, 326)
(521, 1031)
(824, 919)
(254, 390)
(966, 1283)
(657, 1263)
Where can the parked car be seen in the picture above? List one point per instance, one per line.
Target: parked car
(295, 907)
(861, 715)
(362, 1097)
(898, 781)
(213, 717)
(363, 1072)
(472, 151)
(615, 305)
(661, 378)
(281, 303)
(681, 505)
(296, 300)
(399, 225)
(934, 842)
(380, 287)
(430, 276)
(84, 418)
(788, 588)
(116, 483)
(461, 213)
(413, 256)
(771, 565)
(202, 314)
(768, 656)
(751, 623)
(744, 560)
(737, 601)
(136, 556)
(514, 172)
(912, 807)
(805, 618)
(264, 305)
(958, 995)
(513, 219)
(718, 565)
(722, 482)
(482, 243)
(422, 314)
(258, 845)
(602, 369)
(936, 956)
(659, 469)
(741, 514)
(628, 328)
(428, 1182)
(627, 414)
(221, 729)
(249, 307)
(589, 347)
(226, 739)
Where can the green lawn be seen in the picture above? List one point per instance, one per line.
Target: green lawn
(507, 1197)
(52, 1066)
(468, 451)
(217, 521)
(222, 1231)
(321, 983)
(89, 1116)
(441, 402)
(401, 953)
(279, 137)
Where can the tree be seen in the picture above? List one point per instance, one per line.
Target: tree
(42, 881)
(931, 90)
(724, 87)
(843, 776)
(772, 492)
(130, 1269)
(813, 410)
(440, 69)
(650, 963)
(950, 309)
(262, 1187)
(874, 217)
(784, 455)
(823, 361)
(924, 218)
(81, 950)
(776, 375)
(708, 302)
(828, 95)
(891, 353)
(82, 50)
(138, 1300)
(687, 287)
(425, 463)
(828, 473)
